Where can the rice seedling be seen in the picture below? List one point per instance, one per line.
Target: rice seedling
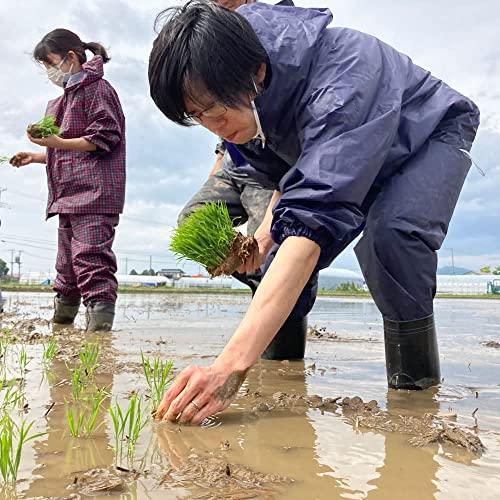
(127, 426)
(13, 438)
(82, 419)
(45, 127)
(89, 356)
(11, 395)
(96, 402)
(23, 361)
(207, 236)
(49, 351)
(158, 377)
(77, 383)
(4, 159)
(74, 418)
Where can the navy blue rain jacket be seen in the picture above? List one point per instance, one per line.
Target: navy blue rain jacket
(341, 112)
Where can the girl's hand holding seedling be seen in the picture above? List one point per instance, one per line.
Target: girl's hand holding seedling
(52, 141)
(24, 158)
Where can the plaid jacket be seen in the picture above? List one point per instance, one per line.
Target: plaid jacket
(88, 182)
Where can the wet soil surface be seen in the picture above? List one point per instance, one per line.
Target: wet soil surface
(323, 428)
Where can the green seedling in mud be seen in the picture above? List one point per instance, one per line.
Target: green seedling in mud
(127, 426)
(82, 420)
(11, 396)
(45, 127)
(23, 361)
(74, 417)
(13, 437)
(158, 377)
(49, 351)
(89, 356)
(77, 383)
(207, 236)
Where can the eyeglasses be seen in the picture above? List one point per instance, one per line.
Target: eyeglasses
(214, 111)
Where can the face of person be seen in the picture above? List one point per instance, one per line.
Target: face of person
(236, 125)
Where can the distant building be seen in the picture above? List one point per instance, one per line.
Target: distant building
(173, 274)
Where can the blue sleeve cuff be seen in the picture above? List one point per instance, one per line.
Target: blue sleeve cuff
(281, 231)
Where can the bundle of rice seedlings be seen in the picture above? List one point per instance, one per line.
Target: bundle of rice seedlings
(4, 159)
(45, 127)
(207, 236)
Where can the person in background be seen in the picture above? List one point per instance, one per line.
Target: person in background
(86, 176)
(247, 201)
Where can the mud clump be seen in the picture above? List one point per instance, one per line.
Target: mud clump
(445, 433)
(97, 481)
(321, 333)
(282, 400)
(425, 430)
(241, 249)
(214, 478)
(34, 131)
(356, 404)
(492, 343)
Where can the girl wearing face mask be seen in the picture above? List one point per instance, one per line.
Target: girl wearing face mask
(86, 176)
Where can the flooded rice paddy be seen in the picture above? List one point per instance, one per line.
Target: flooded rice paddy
(324, 428)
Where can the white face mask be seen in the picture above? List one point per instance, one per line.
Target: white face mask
(57, 76)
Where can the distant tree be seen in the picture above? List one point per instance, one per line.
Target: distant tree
(133, 272)
(485, 270)
(496, 271)
(348, 287)
(4, 270)
(148, 272)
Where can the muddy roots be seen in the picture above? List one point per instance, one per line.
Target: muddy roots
(241, 249)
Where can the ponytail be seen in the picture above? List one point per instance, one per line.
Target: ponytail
(60, 41)
(98, 50)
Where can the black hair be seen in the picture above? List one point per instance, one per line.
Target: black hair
(202, 47)
(60, 41)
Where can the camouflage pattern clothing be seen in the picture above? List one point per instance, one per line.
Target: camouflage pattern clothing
(246, 200)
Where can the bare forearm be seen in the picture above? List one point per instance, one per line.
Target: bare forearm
(39, 157)
(77, 144)
(273, 301)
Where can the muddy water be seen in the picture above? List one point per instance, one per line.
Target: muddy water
(274, 442)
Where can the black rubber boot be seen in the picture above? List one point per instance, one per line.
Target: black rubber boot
(411, 354)
(65, 310)
(289, 342)
(100, 316)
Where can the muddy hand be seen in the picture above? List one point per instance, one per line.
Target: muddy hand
(199, 392)
(21, 159)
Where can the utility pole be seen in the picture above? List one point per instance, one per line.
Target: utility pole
(11, 263)
(19, 264)
(452, 259)
(150, 263)
(126, 265)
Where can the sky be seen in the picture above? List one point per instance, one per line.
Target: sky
(456, 40)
